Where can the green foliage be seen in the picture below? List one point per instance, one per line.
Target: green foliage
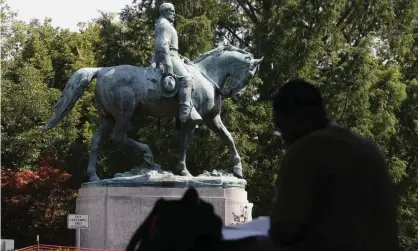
(362, 55)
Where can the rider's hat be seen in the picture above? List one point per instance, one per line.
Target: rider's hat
(169, 85)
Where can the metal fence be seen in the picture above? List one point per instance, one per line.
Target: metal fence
(42, 247)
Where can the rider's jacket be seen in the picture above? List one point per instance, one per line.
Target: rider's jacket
(166, 40)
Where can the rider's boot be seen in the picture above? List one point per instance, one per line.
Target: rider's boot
(185, 97)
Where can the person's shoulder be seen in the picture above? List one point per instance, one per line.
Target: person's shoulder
(348, 136)
(313, 140)
(318, 142)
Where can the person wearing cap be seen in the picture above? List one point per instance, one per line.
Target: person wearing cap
(334, 191)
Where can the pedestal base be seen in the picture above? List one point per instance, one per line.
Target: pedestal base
(116, 212)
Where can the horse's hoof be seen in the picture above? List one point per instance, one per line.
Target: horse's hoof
(237, 171)
(152, 166)
(149, 159)
(186, 173)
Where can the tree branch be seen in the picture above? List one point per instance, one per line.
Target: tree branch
(410, 71)
(237, 37)
(249, 10)
(229, 39)
(412, 175)
(253, 9)
(347, 13)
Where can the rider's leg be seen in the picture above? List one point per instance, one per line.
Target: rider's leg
(185, 98)
(185, 92)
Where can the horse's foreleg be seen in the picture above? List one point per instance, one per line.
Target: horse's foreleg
(185, 137)
(102, 131)
(219, 128)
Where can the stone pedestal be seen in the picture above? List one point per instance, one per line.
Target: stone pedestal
(116, 211)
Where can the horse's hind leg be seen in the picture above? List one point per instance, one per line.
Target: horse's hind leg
(106, 124)
(218, 127)
(148, 157)
(120, 135)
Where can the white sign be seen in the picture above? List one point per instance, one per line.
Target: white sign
(76, 221)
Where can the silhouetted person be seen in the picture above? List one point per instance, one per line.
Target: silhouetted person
(334, 191)
(187, 224)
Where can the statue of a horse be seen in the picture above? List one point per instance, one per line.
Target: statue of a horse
(123, 90)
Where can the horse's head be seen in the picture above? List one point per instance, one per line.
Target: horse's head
(240, 67)
(230, 63)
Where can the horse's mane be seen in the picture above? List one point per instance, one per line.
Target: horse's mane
(218, 50)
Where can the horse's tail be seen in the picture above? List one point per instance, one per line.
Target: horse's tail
(72, 92)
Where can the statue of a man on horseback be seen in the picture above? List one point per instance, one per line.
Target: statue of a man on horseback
(125, 91)
(167, 56)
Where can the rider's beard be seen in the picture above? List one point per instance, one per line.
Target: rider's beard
(170, 17)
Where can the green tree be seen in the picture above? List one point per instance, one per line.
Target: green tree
(37, 59)
(362, 54)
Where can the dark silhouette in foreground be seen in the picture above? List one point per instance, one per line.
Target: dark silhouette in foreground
(334, 191)
(188, 224)
(185, 224)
